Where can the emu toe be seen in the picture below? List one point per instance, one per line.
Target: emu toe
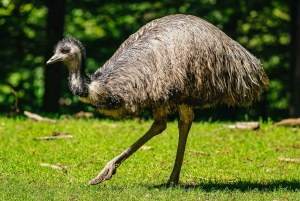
(108, 171)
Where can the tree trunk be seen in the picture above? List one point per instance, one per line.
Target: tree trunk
(295, 60)
(53, 73)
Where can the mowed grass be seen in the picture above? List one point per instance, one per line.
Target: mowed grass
(219, 164)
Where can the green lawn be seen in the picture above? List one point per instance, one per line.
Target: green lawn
(220, 164)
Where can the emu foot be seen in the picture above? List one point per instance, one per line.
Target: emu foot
(165, 185)
(171, 183)
(173, 180)
(108, 171)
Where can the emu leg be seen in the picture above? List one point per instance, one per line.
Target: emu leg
(186, 117)
(157, 127)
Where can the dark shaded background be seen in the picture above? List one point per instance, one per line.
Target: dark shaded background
(29, 29)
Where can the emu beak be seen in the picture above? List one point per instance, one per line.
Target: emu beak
(53, 59)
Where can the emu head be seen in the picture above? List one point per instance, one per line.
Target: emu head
(68, 50)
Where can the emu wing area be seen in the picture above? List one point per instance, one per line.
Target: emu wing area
(182, 59)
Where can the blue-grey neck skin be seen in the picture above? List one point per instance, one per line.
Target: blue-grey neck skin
(78, 80)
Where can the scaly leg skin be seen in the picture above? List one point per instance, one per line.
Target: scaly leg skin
(186, 117)
(109, 170)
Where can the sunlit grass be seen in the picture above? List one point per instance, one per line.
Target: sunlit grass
(220, 163)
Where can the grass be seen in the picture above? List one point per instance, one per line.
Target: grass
(220, 164)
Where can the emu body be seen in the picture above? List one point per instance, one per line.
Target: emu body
(176, 63)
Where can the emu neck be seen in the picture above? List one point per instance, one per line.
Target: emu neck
(78, 80)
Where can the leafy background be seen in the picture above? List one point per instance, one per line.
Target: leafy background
(262, 27)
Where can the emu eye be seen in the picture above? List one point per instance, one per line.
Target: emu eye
(64, 51)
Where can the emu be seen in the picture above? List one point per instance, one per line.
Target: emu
(175, 63)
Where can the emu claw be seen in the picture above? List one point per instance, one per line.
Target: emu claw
(108, 171)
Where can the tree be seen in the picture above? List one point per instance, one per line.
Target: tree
(27, 27)
(53, 73)
(295, 60)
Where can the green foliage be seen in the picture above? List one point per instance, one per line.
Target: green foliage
(219, 164)
(262, 27)
(22, 34)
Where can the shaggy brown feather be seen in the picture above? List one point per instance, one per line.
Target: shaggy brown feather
(181, 59)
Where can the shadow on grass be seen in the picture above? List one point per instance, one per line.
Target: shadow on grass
(240, 186)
